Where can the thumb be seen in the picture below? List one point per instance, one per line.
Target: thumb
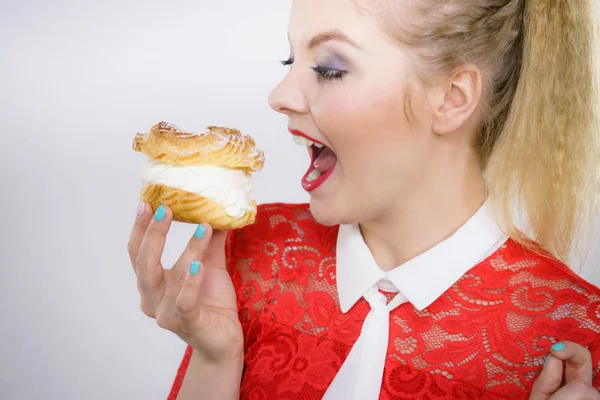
(549, 380)
(578, 361)
(576, 390)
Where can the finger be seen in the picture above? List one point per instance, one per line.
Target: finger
(549, 381)
(148, 266)
(194, 251)
(186, 302)
(578, 361)
(215, 253)
(142, 219)
(577, 390)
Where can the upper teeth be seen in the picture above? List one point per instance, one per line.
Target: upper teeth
(302, 141)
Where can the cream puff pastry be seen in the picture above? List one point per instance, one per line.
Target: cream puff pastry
(200, 177)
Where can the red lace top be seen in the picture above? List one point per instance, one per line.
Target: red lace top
(485, 338)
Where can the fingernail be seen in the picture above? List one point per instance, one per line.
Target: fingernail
(546, 362)
(160, 213)
(558, 347)
(141, 209)
(200, 231)
(195, 267)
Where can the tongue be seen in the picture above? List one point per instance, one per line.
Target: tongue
(325, 161)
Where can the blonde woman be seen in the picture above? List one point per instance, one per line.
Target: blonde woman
(428, 123)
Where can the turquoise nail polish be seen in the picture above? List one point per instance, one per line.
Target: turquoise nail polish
(200, 231)
(160, 213)
(547, 358)
(558, 347)
(195, 267)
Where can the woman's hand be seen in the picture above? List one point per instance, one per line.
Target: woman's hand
(195, 299)
(576, 371)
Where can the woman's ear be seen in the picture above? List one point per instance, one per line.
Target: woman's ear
(457, 99)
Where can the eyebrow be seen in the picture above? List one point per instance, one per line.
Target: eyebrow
(334, 35)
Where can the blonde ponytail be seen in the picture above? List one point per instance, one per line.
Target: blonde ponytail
(539, 142)
(548, 156)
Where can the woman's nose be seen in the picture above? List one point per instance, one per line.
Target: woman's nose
(288, 97)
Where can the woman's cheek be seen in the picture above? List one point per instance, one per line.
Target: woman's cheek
(347, 115)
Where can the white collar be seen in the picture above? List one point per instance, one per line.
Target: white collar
(424, 278)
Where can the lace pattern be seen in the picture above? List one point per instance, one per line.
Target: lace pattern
(485, 337)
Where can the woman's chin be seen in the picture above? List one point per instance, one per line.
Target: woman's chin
(325, 212)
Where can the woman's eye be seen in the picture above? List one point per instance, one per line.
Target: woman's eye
(323, 73)
(328, 74)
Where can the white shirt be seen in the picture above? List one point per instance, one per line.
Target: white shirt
(419, 281)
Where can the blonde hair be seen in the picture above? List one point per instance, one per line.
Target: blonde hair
(539, 141)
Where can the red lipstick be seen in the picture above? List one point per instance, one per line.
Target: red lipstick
(313, 179)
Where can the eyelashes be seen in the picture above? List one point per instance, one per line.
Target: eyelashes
(328, 74)
(323, 73)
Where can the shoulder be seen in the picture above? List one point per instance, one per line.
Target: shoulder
(533, 295)
(524, 302)
(539, 269)
(525, 276)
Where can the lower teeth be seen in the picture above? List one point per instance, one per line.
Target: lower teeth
(313, 175)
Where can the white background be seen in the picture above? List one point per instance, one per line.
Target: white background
(77, 81)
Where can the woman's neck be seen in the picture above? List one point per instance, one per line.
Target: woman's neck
(427, 218)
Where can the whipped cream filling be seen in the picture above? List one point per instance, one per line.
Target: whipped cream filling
(232, 188)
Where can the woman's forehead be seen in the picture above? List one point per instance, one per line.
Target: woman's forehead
(355, 18)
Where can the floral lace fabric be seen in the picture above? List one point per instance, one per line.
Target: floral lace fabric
(486, 337)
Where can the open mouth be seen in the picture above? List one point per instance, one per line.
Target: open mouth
(322, 161)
